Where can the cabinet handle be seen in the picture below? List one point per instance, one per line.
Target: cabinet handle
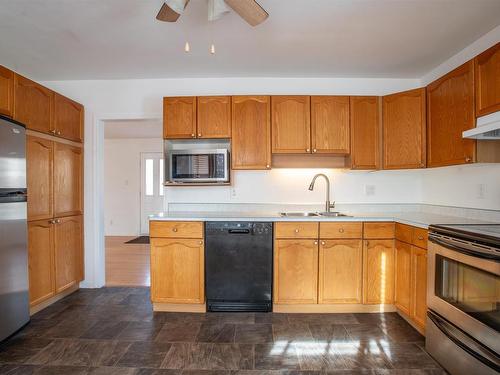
(314, 150)
(323, 243)
(296, 231)
(308, 150)
(199, 134)
(174, 229)
(341, 230)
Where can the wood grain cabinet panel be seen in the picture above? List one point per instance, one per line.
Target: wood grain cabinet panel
(6, 91)
(365, 132)
(340, 230)
(41, 261)
(378, 271)
(404, 130)
(176, 229)
(68, 180)
(378, 230)
(68, 118)
(39, 173)
(291, 124)
(419, 237)
(251, 132)
(403, 232)
(403, 263)
(295, 271)
(450, 111)
(177, 270)
(330, 124)
(419, 285)
(296, 229)
(33, 105)
(179, 117)
(68, 234)
(487, 76)
(340, 271)
(214, 117)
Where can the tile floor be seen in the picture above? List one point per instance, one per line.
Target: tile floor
(114, 331)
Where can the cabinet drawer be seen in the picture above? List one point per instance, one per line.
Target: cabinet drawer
(296, 230)
(420, 237)
(378, 230)
(404, 233)
(341, 230)
(176, 229)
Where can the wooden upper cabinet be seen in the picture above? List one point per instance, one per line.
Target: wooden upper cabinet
(41, 261)
(33, 105)
(330, 124)
(450, 111)
(487, 69)
(404, 121)
(291, 119)
(6, 91)
(295, 271)
(214, 117)
(365, 132)
(68, 180)
(68, 245)
(378, 271)
(68, 118)
(251, 132)
(179, 117)
(39, 163)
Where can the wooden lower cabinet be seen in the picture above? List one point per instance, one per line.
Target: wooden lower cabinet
(419, 285)
(378, 271)
(41, 261)
(403, 263)
(177, 270)
(295, 271)
(340, 271)
(68, 249)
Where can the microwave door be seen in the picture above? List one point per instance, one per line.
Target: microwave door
(198, 167)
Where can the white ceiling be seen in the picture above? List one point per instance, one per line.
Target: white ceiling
(119, 129)
(115, 39)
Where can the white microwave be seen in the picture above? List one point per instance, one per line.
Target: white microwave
(203, 166)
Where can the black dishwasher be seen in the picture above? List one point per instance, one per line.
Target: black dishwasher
(239, 266)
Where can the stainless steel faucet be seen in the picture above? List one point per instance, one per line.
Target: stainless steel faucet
(328, 205)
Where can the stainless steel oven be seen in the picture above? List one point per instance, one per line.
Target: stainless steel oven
(463, 297)
(203, 166)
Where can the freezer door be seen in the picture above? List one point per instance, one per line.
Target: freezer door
(12, 155)
(14, 298)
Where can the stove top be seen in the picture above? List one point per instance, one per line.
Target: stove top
(488, 233)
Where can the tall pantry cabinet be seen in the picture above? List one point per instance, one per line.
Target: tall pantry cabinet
(54, 171)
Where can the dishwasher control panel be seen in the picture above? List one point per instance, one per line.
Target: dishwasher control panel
(255, 228)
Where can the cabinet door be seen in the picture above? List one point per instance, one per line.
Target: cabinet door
(68, 118)
(33, 105)
(251, 132)
(402, 295)
(419, 285)
(450, 111)
(214, 117)
(295, 271)
(68, 242)
(487, 70)
(177, 270)
(404, 130)
(291, 121)
(179, 117)
(378, 271)
(41, 261)
(340, 271)
(68, 180)
(330, 124)
(39, 164)
(365, 132)
(6, 91)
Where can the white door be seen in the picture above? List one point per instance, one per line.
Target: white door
(151, 187)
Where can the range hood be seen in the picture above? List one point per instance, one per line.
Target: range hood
(487, 127)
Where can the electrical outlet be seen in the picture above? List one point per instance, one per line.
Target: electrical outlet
(480, 191)
(232, 192)
(369, 189)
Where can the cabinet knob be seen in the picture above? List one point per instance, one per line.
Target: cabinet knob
(323, 243)
(174, 229)
(420, 238)
(315, 242)
(199, 134)
(58, 132)
(58, 221)
(308, 149)
(52, 221)
(53, 131)
(201, 242)
(341, 230)
(468, 159)
(296, 231)
(268, 166)
(314, 150)
(192, 135)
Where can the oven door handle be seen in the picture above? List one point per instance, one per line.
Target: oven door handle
(487, 357)
(463, 249)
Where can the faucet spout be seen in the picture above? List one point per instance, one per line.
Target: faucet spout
(328, 205)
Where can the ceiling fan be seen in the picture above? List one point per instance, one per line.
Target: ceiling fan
(249, 10)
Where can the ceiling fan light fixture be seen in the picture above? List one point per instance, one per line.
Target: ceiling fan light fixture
(212, 49)
(187, 47)
(176, 5)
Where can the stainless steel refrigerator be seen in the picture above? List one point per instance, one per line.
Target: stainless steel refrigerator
(14, 298)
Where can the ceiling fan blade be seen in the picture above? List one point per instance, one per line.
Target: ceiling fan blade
(171, 14)
(249, 10)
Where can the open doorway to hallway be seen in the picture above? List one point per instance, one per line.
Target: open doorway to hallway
(133, 175)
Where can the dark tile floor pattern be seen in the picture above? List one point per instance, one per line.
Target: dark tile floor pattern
(114, 331)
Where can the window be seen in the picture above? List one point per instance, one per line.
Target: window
(161, 178)
(149, 177)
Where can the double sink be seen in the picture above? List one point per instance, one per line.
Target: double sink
(312, 214)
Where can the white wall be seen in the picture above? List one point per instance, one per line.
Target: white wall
(122, 184)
